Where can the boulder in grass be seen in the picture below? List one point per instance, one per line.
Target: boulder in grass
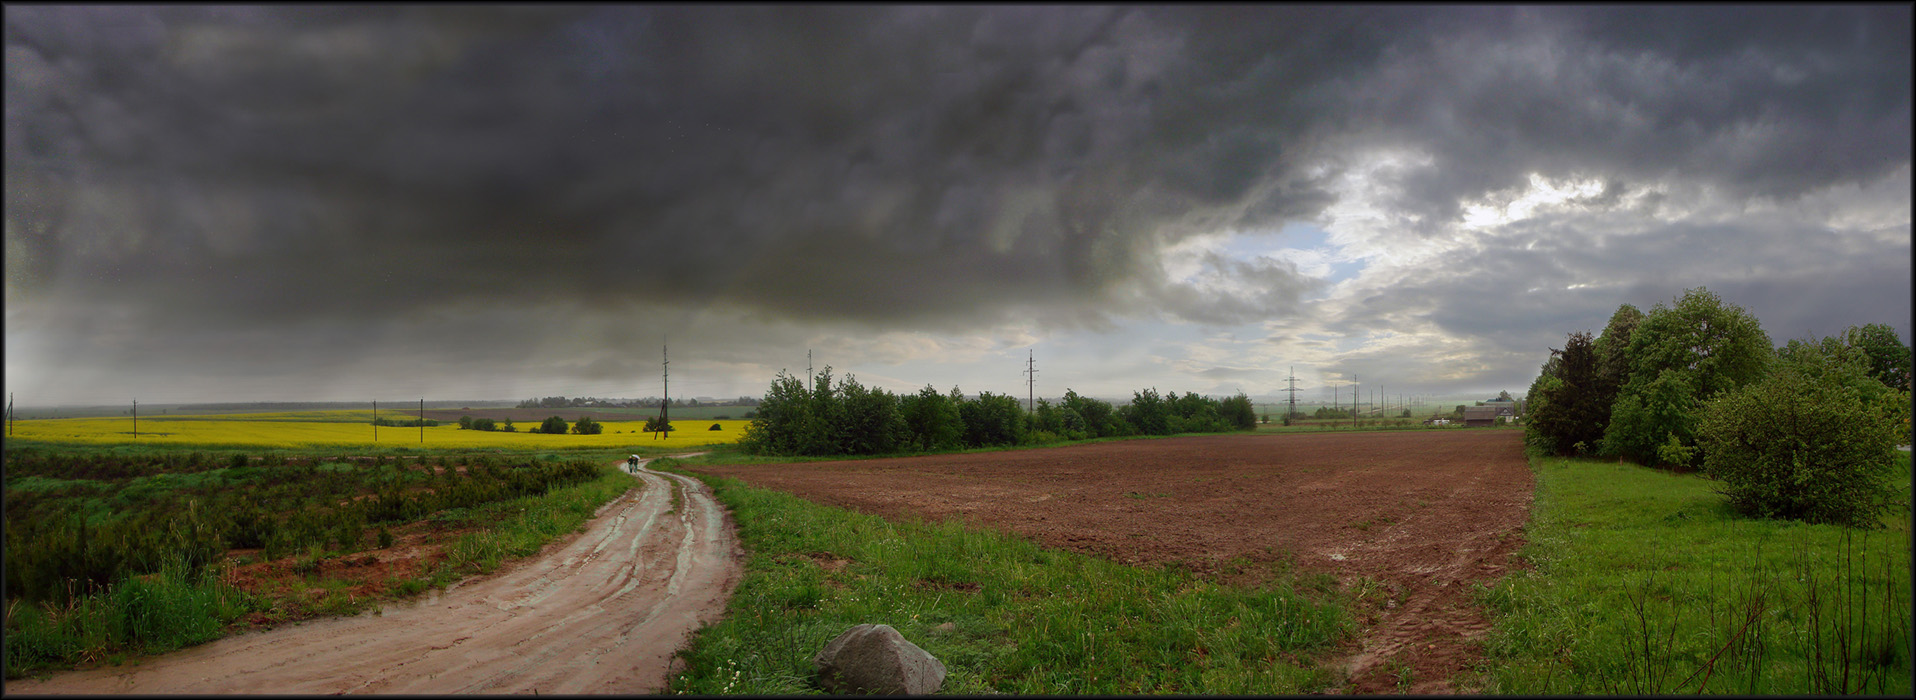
(876, 659)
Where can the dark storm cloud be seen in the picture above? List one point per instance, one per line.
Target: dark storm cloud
(919, 164)
(316, 169)
(1766, 101)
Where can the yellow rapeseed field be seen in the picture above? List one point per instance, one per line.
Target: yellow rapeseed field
(354, 428)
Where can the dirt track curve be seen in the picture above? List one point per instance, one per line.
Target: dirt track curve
(602, 612)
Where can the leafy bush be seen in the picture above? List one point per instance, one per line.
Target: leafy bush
(1791, 446)
(716, 426)
(587, 426)
(483, 424)
(1643, 422)
(553, 426)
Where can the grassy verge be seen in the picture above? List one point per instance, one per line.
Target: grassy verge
(1004, 615)
(1646, 582)
(171, 609)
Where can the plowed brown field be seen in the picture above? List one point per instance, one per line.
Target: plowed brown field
(1426, 513)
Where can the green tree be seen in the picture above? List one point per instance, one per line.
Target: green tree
(1148, 413)
(586, 426)
(1238, 413)
(932, 423)
(1099, 418)
(993, 419)
(485, 424)
(507, 426)
(1801, 447)
(1565, 418)
(465, 422)
(1643, 423)
(869, 422)
(783, 414)
(1680, 357)
(553, 426)
(1888, 358)
(1614, 359)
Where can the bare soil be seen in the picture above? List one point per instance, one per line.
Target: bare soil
(1428, 514)
(603, 611)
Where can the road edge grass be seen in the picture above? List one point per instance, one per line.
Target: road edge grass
(171, 610)
(1003, 614)
(1641, 581)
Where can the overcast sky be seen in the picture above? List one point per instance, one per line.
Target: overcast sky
(309, 202)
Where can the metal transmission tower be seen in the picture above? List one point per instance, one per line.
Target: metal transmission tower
(1354, 395)
(1293, 392)
(1031, 382)
(665, 371)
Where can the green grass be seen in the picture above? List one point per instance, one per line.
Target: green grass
(1003, 614)
(148, 615)
(1646, 582)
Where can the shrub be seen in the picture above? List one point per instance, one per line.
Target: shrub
(716, 426)
(483, 424)
(587, 426)
(1791, 446)
(553, 426)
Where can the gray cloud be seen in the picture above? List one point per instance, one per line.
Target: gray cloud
(301, 170)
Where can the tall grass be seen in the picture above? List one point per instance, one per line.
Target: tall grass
(148, 614)
(1646, 582)
(1003, 614)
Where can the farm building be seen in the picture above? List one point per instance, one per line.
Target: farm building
(1489, 414)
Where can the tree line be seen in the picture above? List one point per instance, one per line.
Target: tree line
(1804, 431)
(552, 425)
(844, 417)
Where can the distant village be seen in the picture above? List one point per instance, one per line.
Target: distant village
(647, 402)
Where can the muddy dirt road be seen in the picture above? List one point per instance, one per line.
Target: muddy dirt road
(601, 612)
(1427, 514)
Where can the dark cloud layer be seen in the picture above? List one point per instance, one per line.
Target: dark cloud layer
(939, 168)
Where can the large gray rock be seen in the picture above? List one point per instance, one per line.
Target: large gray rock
(876, 659)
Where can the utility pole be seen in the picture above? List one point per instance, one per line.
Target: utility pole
(1293, 392)
(808, 369)
(1031, 382)
(665, 370)
(9, 414)
(1354, 395)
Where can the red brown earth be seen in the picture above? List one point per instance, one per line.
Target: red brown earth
(1428, 514)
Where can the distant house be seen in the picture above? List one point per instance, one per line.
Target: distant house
(1476, 416)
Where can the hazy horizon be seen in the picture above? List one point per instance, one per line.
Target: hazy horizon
(250, 203)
